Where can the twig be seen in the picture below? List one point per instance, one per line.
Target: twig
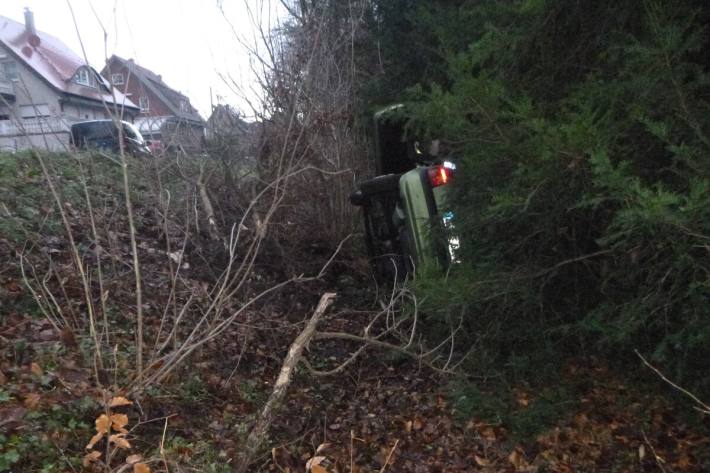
(387, 461)
(162, 445)
(258, 433)
(659, 460)
(380, 344)
(701, 406)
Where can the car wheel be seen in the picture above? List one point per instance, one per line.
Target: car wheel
(406, 257)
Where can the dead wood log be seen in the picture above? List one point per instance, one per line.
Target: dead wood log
(212, 227)
(258, 433)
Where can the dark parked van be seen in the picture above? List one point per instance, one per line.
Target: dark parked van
(104, 135)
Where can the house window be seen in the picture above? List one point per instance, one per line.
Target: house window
(184, 106)
(117, 79)
(34, 110)
(82, 77)
(144, 104)
(9, 70)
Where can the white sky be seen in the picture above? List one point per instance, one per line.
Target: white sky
(189, 42)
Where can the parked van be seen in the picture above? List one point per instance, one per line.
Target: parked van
(104, 135)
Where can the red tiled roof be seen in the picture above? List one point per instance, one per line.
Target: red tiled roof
(53, 61)
(169, 96)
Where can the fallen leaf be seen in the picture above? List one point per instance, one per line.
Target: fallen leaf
(119, 422)
(36, 369)
(90, 458)
(119, 401)
(11, 418)
(581, 419)
(141, 468)
(48, 335)
(417, 424)
(517, 459)
(314, 463)
(132, 459)
(93, 440)
(13, 287)
(119, 441)
(683, 462)
(102, 423)
(31, 400)
(481, 461)
(489, 434)
(522, 399)
(322, 447)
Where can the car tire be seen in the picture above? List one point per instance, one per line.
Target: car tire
(406, 257)
(381, 185)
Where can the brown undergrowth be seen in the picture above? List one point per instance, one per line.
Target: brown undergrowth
(383, 412)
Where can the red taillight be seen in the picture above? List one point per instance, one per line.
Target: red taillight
(440, 175)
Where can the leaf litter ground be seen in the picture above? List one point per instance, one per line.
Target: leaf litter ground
(383, 413)
(380, 409)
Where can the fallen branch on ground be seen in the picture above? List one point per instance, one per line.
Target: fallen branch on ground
(258, 433)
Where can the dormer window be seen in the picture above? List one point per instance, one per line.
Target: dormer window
(144, 103)
(82, 77)
(9, 70)
(184, 106)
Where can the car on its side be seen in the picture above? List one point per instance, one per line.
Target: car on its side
(106, 134)
(405, 211)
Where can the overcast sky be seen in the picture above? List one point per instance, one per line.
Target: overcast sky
(189, 42)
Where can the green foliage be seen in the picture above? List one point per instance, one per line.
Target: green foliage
(498, 407)
(583, 192)
(8, 454)
(27, 207)
(251, 391)
(45, 440)
(201, 454)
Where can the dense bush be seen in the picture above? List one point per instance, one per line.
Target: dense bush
(582, 133)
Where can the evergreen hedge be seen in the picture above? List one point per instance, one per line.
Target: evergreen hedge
(582, 133)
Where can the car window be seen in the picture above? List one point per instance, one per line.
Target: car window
(132, 132)
(95, 130)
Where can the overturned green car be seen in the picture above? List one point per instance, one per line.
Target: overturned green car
(407, 221)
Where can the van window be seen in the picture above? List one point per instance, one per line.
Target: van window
(95, 130)
(131, 132)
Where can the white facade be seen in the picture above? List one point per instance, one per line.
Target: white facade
(45, 88)
(34, 114)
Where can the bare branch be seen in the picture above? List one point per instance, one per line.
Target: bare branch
(258, 433)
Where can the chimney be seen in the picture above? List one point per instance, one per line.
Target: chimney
(30, 22)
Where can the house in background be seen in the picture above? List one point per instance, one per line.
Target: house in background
(45, 87)
(165, 114)
(233, 140)
(225, 124)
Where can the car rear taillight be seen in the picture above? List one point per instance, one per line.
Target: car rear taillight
(441, 175)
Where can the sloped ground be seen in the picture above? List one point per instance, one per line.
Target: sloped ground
(383, 413)
(380, 409)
